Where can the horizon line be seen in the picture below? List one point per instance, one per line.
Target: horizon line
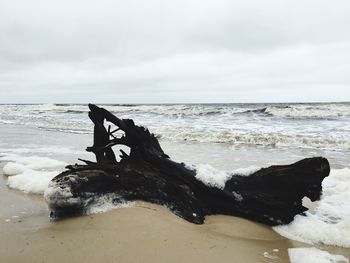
(169, 103)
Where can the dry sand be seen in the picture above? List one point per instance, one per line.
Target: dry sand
(142, 233)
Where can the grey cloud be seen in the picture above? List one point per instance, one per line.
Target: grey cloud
(174, 51)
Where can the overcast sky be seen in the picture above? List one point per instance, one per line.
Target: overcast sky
(159, 51)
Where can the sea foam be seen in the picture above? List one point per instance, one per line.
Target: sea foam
(33, 162)
(30, 174)
(329, 223)
(314, 255)
(31, 181)
(106, 203)
(12, 168)
(214, 177)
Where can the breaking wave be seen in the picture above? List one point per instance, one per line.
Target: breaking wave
(322, 126)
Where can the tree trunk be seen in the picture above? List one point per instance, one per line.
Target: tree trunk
(271, 195)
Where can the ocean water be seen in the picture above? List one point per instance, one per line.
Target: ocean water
(313, 126)
(37, 141)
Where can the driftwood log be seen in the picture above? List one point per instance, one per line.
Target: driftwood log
(271, 195)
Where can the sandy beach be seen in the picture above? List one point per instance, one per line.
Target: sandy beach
(141, 233)
(144, 233)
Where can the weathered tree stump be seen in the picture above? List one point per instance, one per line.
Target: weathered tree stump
(271, 195)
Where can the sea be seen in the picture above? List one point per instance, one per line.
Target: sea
(38, 140)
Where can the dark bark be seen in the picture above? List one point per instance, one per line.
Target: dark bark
(271, 195)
